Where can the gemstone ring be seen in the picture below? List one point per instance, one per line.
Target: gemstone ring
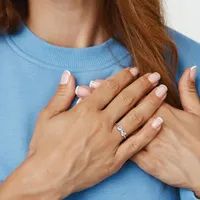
(121, 131)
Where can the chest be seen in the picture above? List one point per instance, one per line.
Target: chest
(25, 92)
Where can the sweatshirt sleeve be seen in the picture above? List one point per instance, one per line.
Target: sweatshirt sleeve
(187, 195)
(189, 55)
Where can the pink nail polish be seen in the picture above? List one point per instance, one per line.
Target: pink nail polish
(94, 84)
(65, 77)
(193, 73)
(161, 91)
(134, 71)
(157, 123)
(154, 78)
(81, 91)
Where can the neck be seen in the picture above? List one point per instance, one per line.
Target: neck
(69, 23)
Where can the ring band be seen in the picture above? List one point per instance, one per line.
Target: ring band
(121, 131)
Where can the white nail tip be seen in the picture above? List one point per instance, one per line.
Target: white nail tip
(91, 83)
(68, 72)
(157, 123)
(160, 119)
(194, 67)
(76, 91)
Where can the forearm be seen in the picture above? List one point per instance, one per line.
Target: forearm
(23, 184)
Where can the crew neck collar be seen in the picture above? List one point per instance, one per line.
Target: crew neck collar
(99, 56)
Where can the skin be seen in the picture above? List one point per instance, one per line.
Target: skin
(67, 23)
(84, 138)
(173, 156)
(70, 24)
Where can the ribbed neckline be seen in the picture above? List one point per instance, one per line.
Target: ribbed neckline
(99, 56)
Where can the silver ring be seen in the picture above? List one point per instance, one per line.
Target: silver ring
(121, 131)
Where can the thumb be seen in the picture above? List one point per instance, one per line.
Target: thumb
(63, 97)
(188, 93)
(60, 102)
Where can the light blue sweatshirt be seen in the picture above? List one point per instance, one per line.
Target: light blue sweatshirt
(30, 70)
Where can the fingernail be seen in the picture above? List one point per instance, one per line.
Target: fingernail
(65, 77)
(81, 91)
(193, 73)
(154, 78)
(134, 71)
(95, 84)
(161, 91)
(157, 123)
(79, 100)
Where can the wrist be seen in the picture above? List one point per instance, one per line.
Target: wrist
(22, 184)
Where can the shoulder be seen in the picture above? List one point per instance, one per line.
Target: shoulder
(188, 49)
(188, 52)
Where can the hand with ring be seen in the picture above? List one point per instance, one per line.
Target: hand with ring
(173, 156)
(75, 149)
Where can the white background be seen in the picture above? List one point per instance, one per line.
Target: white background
(184, 16)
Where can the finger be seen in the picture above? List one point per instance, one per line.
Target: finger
(143, 112)
(63, 97)
(83, 91)
(97, 83)
(188, 93)
(131, 95)
(60, 102)
(138, 141)
(111, 87)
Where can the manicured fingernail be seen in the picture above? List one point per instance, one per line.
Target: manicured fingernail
(134, 71)
(65, 77)
(79, 100)
(81, 91)
(154, 78)
(193, 73)
(161, 91)
(95, 84)
(157, 123)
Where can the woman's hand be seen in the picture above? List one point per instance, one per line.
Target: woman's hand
(75, 149)
(174, 155)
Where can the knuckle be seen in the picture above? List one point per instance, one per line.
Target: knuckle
(183, 87)
(126, 75)
(31, 151)
(191, 88)
(157, 165)
(111, 167)
(144, 83)
(116, 167)
(127, 100)
(137, 119)
(134, 146)
(98, 126)
(152, 102)
(112, 85)
(151, 169)
(61, 91)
